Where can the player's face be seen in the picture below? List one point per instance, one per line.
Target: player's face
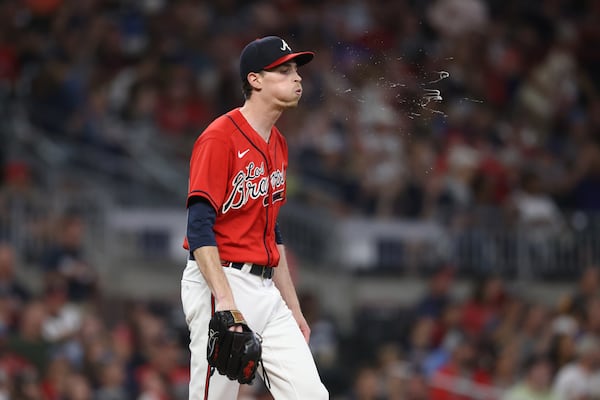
(283, 85)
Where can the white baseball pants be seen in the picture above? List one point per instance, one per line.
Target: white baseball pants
(286, 356)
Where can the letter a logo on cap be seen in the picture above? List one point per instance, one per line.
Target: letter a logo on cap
(284, 46)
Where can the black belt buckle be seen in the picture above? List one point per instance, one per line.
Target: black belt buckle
(261, 270)
(266, 272)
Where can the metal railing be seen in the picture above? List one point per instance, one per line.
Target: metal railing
(509, 249)
(317, 237)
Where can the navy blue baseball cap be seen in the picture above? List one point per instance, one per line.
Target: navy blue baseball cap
(267, 53)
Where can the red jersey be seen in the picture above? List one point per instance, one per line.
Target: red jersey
(243, 177)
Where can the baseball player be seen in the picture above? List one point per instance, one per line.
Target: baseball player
(237, 259)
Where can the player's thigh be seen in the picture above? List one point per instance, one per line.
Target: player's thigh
(288, 361)
(196, 300)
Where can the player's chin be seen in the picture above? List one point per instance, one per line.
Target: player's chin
(292, 103)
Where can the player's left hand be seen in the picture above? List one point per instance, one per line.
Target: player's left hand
(304, 328)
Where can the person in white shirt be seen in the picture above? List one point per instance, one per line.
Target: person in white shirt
(574, 381)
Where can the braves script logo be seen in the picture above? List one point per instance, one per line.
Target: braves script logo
(253, 183)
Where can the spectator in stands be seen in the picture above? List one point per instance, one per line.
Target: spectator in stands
(395, 372)
(587, 287)
(582, 184)
(532, 334)
(28, 341)
(78, 387)
(13, 293)
(461, 378)
(536, 211)
(138, 116)
(382, 155)
(539, 219)
(563, 323)
(438, 296)
(448, 333)
(536, 383)
(459, 171)
(164, 363)
(95, 345)
(404, 383)
(152, 386)
(55, 378)
(101, 128)
(366, 385)
(67, 260)
(574, 380)
(420, 342)
(11, 365)
(111, 381)
(482, 310)
(123, 350)
(181, 112)
(591, 322)
(27, 386)
(62, 323)
(562, 349)
(506, 361)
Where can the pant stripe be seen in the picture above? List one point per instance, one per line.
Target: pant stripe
(208, 367)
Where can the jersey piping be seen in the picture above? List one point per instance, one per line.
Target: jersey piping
(266, 208)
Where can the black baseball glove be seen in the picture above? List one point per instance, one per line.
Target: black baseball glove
(234, 354)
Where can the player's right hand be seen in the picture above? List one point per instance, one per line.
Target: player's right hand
(235, 354)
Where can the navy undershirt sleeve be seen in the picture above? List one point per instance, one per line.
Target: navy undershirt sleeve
(201, 219)
(278, 237)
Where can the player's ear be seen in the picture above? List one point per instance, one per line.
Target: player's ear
(254, 79)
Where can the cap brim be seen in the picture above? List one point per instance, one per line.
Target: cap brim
(301, 58)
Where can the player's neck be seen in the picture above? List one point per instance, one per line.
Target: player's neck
(260, 118)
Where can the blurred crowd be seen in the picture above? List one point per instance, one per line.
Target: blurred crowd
(495, 343)
(410, 107)
(67, 340)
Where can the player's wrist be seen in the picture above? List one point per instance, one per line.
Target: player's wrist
(225, 305)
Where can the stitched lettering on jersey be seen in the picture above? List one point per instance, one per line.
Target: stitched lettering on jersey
(252, 183)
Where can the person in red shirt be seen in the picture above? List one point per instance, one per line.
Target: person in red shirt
(237, 260)
(461, 378)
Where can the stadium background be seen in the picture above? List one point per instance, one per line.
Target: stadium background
(421, 231)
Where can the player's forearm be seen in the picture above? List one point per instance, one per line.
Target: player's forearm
(283, 281)
(209, 262)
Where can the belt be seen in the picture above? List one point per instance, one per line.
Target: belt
(263, 271)
(260, 270)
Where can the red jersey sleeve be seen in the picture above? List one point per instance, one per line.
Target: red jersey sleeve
(209, 170)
